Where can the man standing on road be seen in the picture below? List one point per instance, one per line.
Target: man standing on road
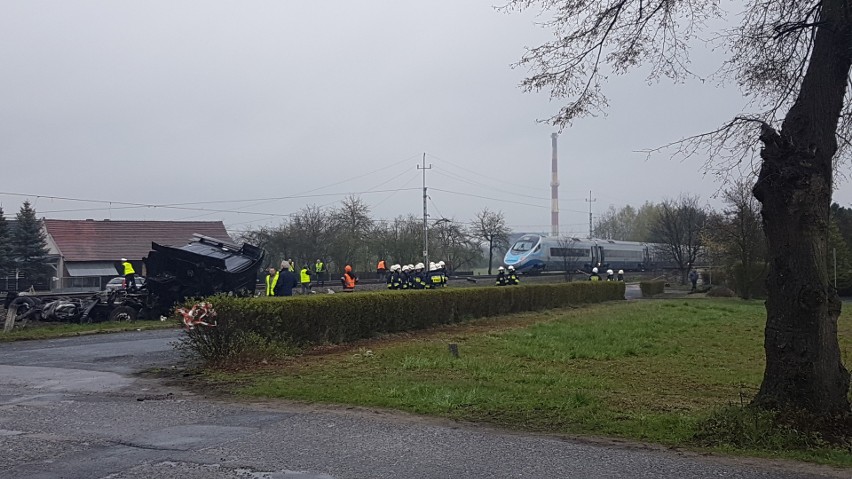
(693, 278)
(129, 275)
(319, 269)
(305, 279)
(381, 269)
(271, 281)
(286, 281)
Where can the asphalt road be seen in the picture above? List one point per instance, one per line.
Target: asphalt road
(72, 408)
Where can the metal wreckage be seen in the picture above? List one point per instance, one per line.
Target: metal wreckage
(204, 267)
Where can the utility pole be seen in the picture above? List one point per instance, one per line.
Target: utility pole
(590, 201)
(425, 214)
(554, 189)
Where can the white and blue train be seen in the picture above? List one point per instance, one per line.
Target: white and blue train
(534, 253)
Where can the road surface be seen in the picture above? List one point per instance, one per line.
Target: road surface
(73, 408)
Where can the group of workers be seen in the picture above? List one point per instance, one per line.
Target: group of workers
(507, 277)
(610, 276)
(282, 282)
(415, 276)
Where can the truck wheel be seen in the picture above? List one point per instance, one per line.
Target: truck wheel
(123, 313)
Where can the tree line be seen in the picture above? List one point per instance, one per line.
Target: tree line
(348, 234)
(731, 239)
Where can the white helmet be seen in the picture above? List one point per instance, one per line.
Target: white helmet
(410, 266)
(594, 270)
(441, 264)
(500, 268)
(511, 268)
(433, 267)
(405, 267)
(609, 271)
(395, 267)
(621, 271)
(419, 266)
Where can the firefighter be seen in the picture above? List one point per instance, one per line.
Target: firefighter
(271, 281)
(404, 279)
(443, 269)
(594, 276)
(610, 276)
(418, 278)
(393, 277)
(512, 278)
(349, 279)
(620, 275)
(501, 277)
(435, 279)
(129, 275)
(305, 279)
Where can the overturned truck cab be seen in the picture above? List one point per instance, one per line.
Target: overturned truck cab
(204, 267)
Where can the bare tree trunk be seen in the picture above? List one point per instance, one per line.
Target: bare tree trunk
(490, 255)
(803, 364)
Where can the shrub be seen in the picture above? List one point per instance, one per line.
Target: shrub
(339, 318)
(721, 292)
(651, 288)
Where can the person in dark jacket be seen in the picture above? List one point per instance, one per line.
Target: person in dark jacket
(501, 277)
(286, 281)
(512, 277)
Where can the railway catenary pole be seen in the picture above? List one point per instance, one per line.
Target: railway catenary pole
(590, 201)
(554, 190)
(425, 213)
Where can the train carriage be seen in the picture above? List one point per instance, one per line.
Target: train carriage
(534, 253)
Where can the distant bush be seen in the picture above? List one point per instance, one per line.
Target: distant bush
(651, 288)
(721, 292)
(276, 324)
(748, 282)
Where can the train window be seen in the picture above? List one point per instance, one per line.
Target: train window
(569, 252)
(526, 243)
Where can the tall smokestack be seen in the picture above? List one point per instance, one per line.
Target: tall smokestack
(554, 191)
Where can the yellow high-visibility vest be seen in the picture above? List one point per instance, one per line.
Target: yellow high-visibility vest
(306, 278)
(128, 268)
(270, 285)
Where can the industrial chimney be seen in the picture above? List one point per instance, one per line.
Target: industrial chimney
(554, 191)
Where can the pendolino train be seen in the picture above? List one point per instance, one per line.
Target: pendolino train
(534, 253)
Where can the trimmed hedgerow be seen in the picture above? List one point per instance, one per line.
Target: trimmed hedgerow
(340, 318)
(651, 288)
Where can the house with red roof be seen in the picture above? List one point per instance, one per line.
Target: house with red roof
(86, 251)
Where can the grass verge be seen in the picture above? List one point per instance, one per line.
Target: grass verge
(61, 330)
(653, 371)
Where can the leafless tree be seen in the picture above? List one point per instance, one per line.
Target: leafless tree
(678, 232)
(793, 59)
(741, 234)
(490, 227)
(351, 226)
(572, 257)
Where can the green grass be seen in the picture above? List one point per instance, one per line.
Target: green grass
(59, 330)
(651, 371)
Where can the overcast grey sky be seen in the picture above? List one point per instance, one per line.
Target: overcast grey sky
(167, 102)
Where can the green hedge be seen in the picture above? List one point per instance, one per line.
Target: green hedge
(651, 288)
(339, 318)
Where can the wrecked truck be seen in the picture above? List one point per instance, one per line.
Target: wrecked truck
(204, 267)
